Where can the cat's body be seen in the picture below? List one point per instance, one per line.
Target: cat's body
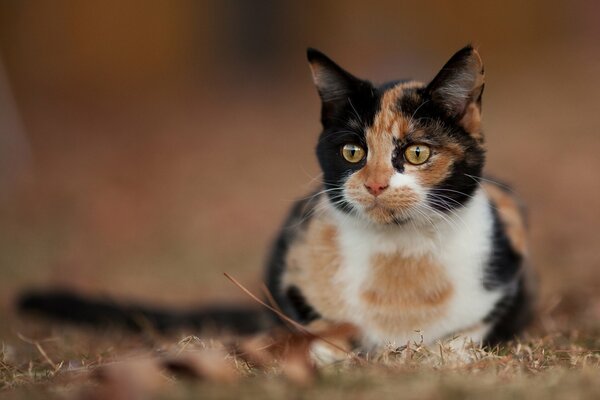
(422, 282)
(405, 239)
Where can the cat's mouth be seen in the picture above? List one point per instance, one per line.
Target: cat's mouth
(377, 206)
(393, 207)
(385, 215)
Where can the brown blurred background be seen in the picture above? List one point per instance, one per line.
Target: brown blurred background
(148, 146)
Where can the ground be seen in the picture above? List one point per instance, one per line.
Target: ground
(77, 365)
(153, 201)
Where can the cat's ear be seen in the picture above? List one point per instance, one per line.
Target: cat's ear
(332, 82)
(458, 87)
(335, 85)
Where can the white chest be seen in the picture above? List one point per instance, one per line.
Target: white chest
(426, 279)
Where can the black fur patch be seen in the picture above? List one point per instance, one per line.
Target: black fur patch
(511, 315)
(68, 306)
(303, 311)
(456, 190)
(505, 262)
(294, 225)
(347, 125)
(513, 311)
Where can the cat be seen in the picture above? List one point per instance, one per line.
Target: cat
(404, 239)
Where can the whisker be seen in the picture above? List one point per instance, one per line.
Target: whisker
(441, 196)
(410, 121)
(478, 179)
(452, 191)
(355, 112)
(312, 178)
(320, 192)
(453, 212)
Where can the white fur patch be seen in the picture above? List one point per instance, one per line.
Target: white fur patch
(461, 244)
(399, 180)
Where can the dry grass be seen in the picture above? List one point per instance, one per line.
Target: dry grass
(73, 364)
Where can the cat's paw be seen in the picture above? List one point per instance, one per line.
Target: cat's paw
(333, 342)
(323, 354)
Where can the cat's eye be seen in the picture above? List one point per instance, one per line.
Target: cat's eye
(417, 154)
(353, 153)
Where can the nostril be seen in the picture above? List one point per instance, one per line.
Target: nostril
(375, 189)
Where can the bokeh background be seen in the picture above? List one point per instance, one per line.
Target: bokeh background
(146, 147)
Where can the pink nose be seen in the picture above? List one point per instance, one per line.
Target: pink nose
(376, 188)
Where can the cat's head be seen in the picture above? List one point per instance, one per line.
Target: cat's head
(403, 150)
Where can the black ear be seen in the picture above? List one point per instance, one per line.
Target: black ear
(336, 87)
(332, 82)
(458, 87)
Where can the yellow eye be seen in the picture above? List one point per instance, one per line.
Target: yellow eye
(353, 153)
(417, 154)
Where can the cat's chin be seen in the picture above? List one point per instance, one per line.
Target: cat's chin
(384, 216)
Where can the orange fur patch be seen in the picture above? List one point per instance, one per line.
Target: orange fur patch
(312, 263)
(388, 120)
(405, 293)
(435, 171)
(389, 124)
(439, 167)
(471, 122)
(401, 293)
(511, 215)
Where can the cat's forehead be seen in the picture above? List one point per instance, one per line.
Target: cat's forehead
(396, 108)
(391, 118)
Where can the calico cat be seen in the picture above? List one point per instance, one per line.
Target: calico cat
(405, 239)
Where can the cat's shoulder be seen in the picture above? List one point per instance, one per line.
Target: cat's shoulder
(511, 211)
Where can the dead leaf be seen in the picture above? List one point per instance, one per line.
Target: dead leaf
(257, 351)
(209, 364)
(128, 380)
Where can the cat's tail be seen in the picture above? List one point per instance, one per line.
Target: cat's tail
(68, 306)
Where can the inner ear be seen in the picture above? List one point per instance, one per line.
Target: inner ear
(458, 88)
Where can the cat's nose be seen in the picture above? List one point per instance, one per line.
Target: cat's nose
(375, 188)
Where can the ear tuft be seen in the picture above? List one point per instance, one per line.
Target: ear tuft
(459, 83)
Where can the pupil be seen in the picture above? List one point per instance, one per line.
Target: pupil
(418, 152)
